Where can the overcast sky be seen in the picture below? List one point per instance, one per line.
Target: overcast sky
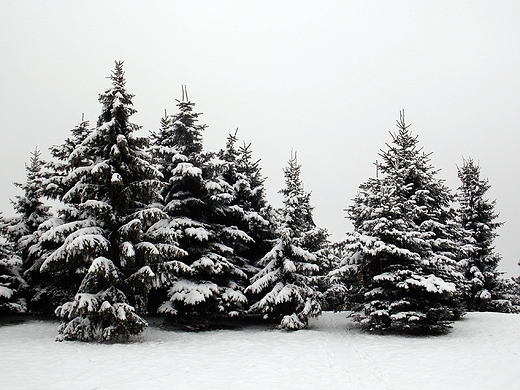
(326, 78)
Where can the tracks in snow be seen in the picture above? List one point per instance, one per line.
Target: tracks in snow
(341, 347)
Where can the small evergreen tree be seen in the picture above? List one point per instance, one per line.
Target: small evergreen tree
(53, 181)
(285, 286)
(509, 291)
(478, 217)
(30, 209)
(401, 262)
(11, 283)
(335, 291)
(100, 309)
(248, 209)
(23, 230)
(109, 190)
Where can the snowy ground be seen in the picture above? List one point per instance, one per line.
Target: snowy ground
(481, 352)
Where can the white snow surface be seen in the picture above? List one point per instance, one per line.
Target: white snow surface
(481, 352)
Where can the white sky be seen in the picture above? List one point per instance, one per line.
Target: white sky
(326, 78)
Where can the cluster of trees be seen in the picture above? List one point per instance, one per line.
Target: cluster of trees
(415, 262)
(158, 225)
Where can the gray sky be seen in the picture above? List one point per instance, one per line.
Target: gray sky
(326, 78)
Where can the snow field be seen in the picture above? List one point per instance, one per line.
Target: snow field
(481, 352)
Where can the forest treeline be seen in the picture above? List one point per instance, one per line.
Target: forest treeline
(159, 226)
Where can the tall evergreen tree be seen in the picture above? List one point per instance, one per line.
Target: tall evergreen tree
(401, 260)
(478, 217)
(285, 286)
(110, 190)
(208, 284)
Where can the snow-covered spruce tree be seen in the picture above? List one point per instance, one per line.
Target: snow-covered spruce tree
(284, 288)
(248, 209)
(478, 217)
(22, 229)
(208, 285)
(46, 290)
(509, 291)
(297, 209)
(336, 290)
(109, 190)
(297, 212)
(401, 262)
(10, 280)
